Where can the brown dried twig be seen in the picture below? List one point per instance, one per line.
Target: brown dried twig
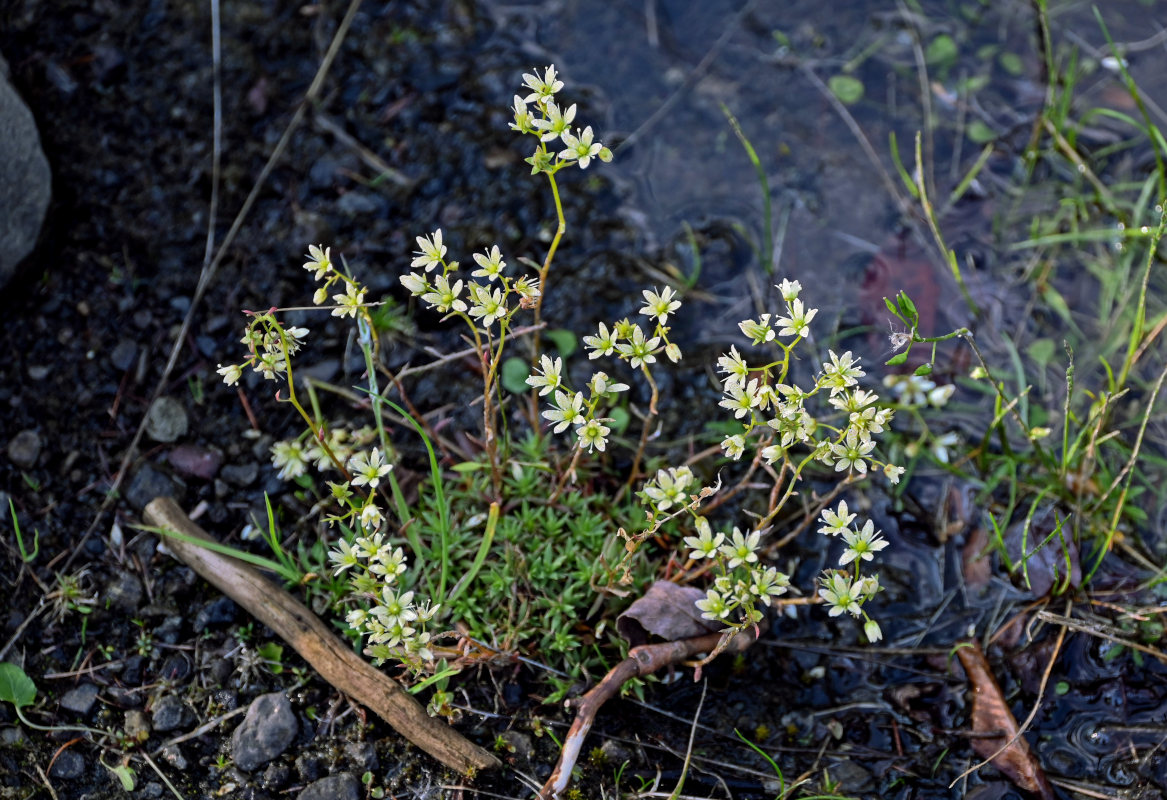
(641, 661)
(332, 658)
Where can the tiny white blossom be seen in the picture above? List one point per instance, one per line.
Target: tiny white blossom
(798, 323)
(713, 606)
(741, 399)
(580, 148)
(523, 123)
(349, 302)
(841, 372)
(490, 264)
(289, 458)
(742, 549)
(320, 261)
(789, 289)
(556, 123)
(550, 378)
(231, 373)
(430, 251)
(871, 631)
(758, 330)
(415, 283)
(443, 296)
(704, 544)
(344, 557)
(862, 545)
(637, 349)
(892, 473)
(734, 367)
(603, 344)
(839, 594)
(836, 521)
(542, 89)
(593, 435)
(369, 468)
(734, 446)
(660, 305)
(568, 410)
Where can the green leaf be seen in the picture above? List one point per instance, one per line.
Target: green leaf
(125, 775)
(980, 132)
(15, 686)
(941, 51)
(514, 375)
(848, 89)
(896, 360)
(1041, 351)
(620, 420)
(1011, 63)
(469, 466)
(564, 341)
(272, 653)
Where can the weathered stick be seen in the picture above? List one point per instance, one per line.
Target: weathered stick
(641, 661)
(332, 658)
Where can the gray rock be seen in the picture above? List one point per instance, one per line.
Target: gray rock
(69, 765)
(124, 354)
(25, 447)
(25, 180)
(172, 754)
(342, 786)
(166, 421)
(149, 483)
(267, 730)
(81, 699)
(170, 714)
(240, 474)
(124, 592)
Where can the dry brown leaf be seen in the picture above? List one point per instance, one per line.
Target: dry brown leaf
(994, 727)
(666, 610)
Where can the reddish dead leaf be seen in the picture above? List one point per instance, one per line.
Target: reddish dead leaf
(975, 561)
(666, 610)
(994, 727)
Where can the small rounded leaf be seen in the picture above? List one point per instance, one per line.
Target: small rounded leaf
(848, 89)
(514, 375)
(15, 686)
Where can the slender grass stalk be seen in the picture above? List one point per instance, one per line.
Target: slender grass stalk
(767, 244)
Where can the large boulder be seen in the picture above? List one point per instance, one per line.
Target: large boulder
(25, 180)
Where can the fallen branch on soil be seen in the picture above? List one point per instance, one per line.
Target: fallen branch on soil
(641, 661)
(332, 658)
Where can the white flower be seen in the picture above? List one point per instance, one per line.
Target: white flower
(742, 549)
(734, 367)
(734, 446)
(798, 323)
(444, 297)
(487, 304)
(741, 399)
(841, 372)
(568, 411)
(415, 283)
(430, 252)
(593, 435)
(704, 544)
(556, 123)
(344, 557)
(550, 378)
(289, 459)
(758, 330)
(660, 305)
(580, 148)
(320, 262)
(369, 469)
(523, 122)
(669, 486)
(768, 583)
(713, 606)
(603, 344)
(839, 594)
(638, 350)
(892, 473)
(542, 89)
(491, 264)
(849, 454)
(371, 516)
(348, 303)
(836, 521)
(938, 397)
(941, 444)
(600, 384)
(789, 289)
(231, 373)
(871, 631)
(862, 545)
(673, 352)
(395, 608)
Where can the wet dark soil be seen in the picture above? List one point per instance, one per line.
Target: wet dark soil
(122, 93)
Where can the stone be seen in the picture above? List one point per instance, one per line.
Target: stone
(69, 765)
(220, 611)
(166, 421)
(342, 786)
(240, 474)
(195, 461)
(124, 592)
(80, 700)
(25, 448)
(267, 730)
(149, 483)
(137, 726)
(170, 714)
(25, 180)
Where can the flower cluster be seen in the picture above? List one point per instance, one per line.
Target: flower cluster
(393, 623)
(482, 304)
(624, 340)
(845, 591)
(774, 413)
(537, 114)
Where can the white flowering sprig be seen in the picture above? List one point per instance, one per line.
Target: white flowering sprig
(386, 615)
(847, 589)
(742, 584)
(626, 341)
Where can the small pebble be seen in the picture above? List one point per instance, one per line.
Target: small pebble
(69, 765)
(268, 729)
(342, 786)
(80, 700)
(170, 714)
(24, 449)
(166, 421)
